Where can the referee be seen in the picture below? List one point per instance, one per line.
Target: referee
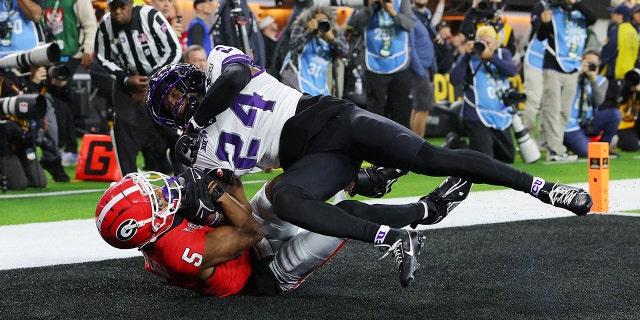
(131, 43)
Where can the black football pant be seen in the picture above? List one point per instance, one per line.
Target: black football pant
(334, 156)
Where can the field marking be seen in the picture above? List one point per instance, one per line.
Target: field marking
(76, 241)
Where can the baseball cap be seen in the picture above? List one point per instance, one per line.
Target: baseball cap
(488, 31)
(197, 2)
(266, 21)
(636, 8)
(121, 1)
(622, 9)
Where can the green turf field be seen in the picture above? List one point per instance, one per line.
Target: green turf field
(48, 205)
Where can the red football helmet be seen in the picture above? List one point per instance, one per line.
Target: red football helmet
(131, 213)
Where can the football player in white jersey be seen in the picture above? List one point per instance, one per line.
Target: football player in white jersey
(246, 119)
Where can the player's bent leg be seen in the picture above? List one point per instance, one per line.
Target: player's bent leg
(302, 255)
(276, 231)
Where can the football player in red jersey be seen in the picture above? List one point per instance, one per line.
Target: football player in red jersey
(195, 234)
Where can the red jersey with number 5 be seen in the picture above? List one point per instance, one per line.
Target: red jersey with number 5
(177, 257)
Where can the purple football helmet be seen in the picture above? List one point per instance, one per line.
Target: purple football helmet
(188, 79)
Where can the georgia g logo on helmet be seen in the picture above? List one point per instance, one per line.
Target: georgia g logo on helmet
(126, 230)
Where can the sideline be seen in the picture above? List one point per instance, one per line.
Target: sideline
(76, 241)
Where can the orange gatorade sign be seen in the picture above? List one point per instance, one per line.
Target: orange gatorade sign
(97, 159)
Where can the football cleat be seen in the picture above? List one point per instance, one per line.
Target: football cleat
(405, 250)
(375, 182)
(443, 199)
(574, 199)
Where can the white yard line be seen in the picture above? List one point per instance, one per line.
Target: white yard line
(42, 244)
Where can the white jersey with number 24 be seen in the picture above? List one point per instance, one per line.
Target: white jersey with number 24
(246, 135)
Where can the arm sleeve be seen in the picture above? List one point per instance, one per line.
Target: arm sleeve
(437, 14)
(222, 93)
(610, 49)
(361, 18)
(588, 14)
(502, 59)
(299, 37)
(467, 27)
(404, 19)
(104, 54)
(460, 69)
(340, 46)
(88, 25)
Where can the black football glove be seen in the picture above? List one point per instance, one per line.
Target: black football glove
(375, 182)
(200, 194)
(187, 148)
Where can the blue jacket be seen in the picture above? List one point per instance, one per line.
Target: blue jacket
(421, 44)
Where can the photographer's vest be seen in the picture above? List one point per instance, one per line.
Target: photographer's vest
(313, 66)
(24, 36)
(587, 106)
(534, 57)
(206, 42)
(62, 24)
(570, 35)
(387, 45)
(488, 86)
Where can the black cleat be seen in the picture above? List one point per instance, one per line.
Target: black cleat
(375, 182)
(405, 250)
(443, 199)
(574, 199)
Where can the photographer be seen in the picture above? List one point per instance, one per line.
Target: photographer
(629, 100)
(386, 26)
(315, 45)
(484, 70)
(586, 120)
(227, 26)
(20, 27)
(24, 133)
(564, 25)
(487, 13)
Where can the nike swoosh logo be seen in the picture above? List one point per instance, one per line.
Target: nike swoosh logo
(197, 175)
(410, 252)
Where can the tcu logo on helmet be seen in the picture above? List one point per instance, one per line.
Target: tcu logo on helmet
(126, 230)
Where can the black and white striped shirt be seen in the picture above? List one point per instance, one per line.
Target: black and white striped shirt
(145, 45)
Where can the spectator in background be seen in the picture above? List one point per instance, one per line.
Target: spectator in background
(445, 49)
(196, 56)
(533, 76)
(484, 13)
(619, 52)
(484, 70)
(629, 108)
(270, 33)
(224, 30)
(150, 43)
(423, 66)
(635, 16)
(585, 120)
(315, 44)
(73, 25)
(565, 29)
(198, 32)
(386, 27)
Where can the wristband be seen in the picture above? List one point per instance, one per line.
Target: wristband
(217, 192)
(216, 218)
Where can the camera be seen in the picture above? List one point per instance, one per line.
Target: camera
(593, 66)
(25, 106)
(5, 29)
(631, 79)
(38, 56)
(59, 72)
(324, 25)
(486, 9)
(512, 97)
(479, 46)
